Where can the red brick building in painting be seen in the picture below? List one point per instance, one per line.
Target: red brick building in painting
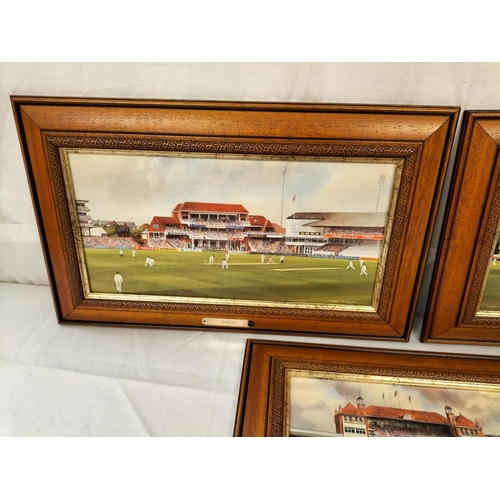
(380, 421)
(215, 226)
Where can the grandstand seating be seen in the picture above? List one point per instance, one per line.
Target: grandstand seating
(342, 232)
(167, 243)
(377, 430)
(214, 226)
(333, 248)
(264, 246)
(117, 242)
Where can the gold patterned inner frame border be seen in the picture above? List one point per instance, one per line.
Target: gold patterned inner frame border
(403, 157)
(286, 370)
(472, 314)
(70, 193)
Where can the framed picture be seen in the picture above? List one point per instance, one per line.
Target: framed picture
(464, 303)
(299, 390)
(296, 218)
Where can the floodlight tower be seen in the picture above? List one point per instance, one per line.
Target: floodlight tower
(381, 182)
(282, 196)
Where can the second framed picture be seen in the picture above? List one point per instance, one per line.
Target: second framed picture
(290, 218)
(464, 304)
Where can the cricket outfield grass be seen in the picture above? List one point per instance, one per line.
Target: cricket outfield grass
(491, 294)
(188, 274)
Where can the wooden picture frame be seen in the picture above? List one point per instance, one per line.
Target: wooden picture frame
(462, 305)
(71, 147)
(314, 390)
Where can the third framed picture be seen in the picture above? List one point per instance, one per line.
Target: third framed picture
(313, 390)
(464, 303)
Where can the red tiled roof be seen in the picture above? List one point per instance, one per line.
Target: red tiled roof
(191, 206)
(265, 224)
(278, 228)
(162, 221)
(397, 413)
(465, 422)
(257, 220)
(350, 409)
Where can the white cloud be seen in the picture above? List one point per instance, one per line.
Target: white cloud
(136, 188)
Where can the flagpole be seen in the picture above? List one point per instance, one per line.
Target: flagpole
(381, 182)
(282, 196)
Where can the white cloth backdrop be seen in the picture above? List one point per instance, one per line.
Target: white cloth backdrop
(102, 381)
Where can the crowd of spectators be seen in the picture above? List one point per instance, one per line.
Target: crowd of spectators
(264, 246)
(109, 242)
(172, 230)
(213, 222)
(367, 232)
(285, 250)
(406, 429)
(212, 234)
(167, 243)
(333, 248)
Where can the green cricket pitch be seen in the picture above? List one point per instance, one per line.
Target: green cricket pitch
(188, 274)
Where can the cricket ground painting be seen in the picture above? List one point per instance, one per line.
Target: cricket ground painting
(179, 228)
(490, 297)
